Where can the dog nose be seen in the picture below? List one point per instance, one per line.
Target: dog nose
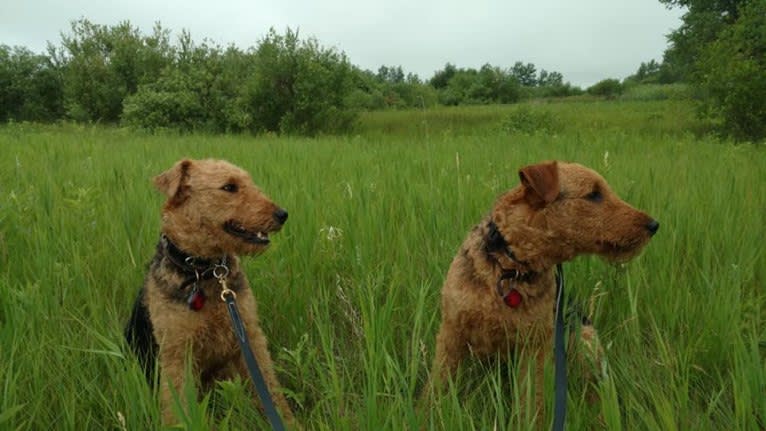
(653, 226)
(280, 216)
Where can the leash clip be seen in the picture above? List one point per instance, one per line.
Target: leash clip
(220, 272)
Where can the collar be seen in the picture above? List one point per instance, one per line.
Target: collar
(187, 263)
(196, 268)
(495, 242)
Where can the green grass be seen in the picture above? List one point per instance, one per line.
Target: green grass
(349, 291)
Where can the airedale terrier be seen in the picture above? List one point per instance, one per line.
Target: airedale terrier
(500, 292)
(213, 213)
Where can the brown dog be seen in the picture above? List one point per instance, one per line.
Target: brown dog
(213, 213)
(500, 289)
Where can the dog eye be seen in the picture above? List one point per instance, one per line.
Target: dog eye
(230, 187)
(594, 196)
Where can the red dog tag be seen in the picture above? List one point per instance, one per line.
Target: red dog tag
(512, 298)
(196, 300)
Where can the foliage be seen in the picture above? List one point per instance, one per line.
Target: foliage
(720, 49)
(652, 72)
(441, 78)
(390, 88)
(526, 120)
(702, 22)
(487, 85)
(31, 86)
(732, 71)
(608, 88)
(492, 84)
(104, 65)
(197, 92)
(525, 74)
(560, 90)
(298, 87)
(550, 79)
(171, 102)
(283, 84)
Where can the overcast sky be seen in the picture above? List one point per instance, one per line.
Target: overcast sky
(585, 40)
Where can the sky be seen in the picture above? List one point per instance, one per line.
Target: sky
(585, 40)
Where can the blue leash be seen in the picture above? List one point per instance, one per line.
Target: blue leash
(560, 356)
(238, 326)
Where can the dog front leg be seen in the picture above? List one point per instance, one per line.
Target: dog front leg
(172, 383)
(451, 349)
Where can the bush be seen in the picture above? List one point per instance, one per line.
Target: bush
(609, 88)
(172, 102)
(484, 86)
(525, 120)
(298, 87)
(198, 92)
(284, 85)
(103, 65)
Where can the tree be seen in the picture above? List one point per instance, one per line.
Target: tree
(720, 48)
(391, 75)
(103, 65)
(702, 22)
(732, 71)
(550, 79)
(31, 87)
(525, 74)
(441, 77)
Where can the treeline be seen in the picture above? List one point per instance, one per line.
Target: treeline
(118, 75)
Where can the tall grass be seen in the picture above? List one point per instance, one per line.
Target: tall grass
(349, 291)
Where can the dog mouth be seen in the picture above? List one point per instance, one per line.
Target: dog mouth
(613, 247)
(236, 229)
(619, 252)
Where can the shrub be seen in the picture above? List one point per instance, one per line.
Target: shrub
(103, 65)
(609, 88)
(298, 87)
(525, 120)
(172, 102)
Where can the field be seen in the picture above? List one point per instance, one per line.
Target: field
(348, 293)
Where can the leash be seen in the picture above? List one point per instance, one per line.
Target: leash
(229, 297)
(560, 356)
(495, 242)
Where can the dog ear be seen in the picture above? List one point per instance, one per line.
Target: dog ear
(542, 180)
(173, 183)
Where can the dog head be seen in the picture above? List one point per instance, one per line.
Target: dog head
(562, 210)
(214, 208)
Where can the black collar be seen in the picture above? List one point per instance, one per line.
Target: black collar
(495, 242)
(196, 268)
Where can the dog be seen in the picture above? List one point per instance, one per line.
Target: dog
(213, 214)
(500, 293)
